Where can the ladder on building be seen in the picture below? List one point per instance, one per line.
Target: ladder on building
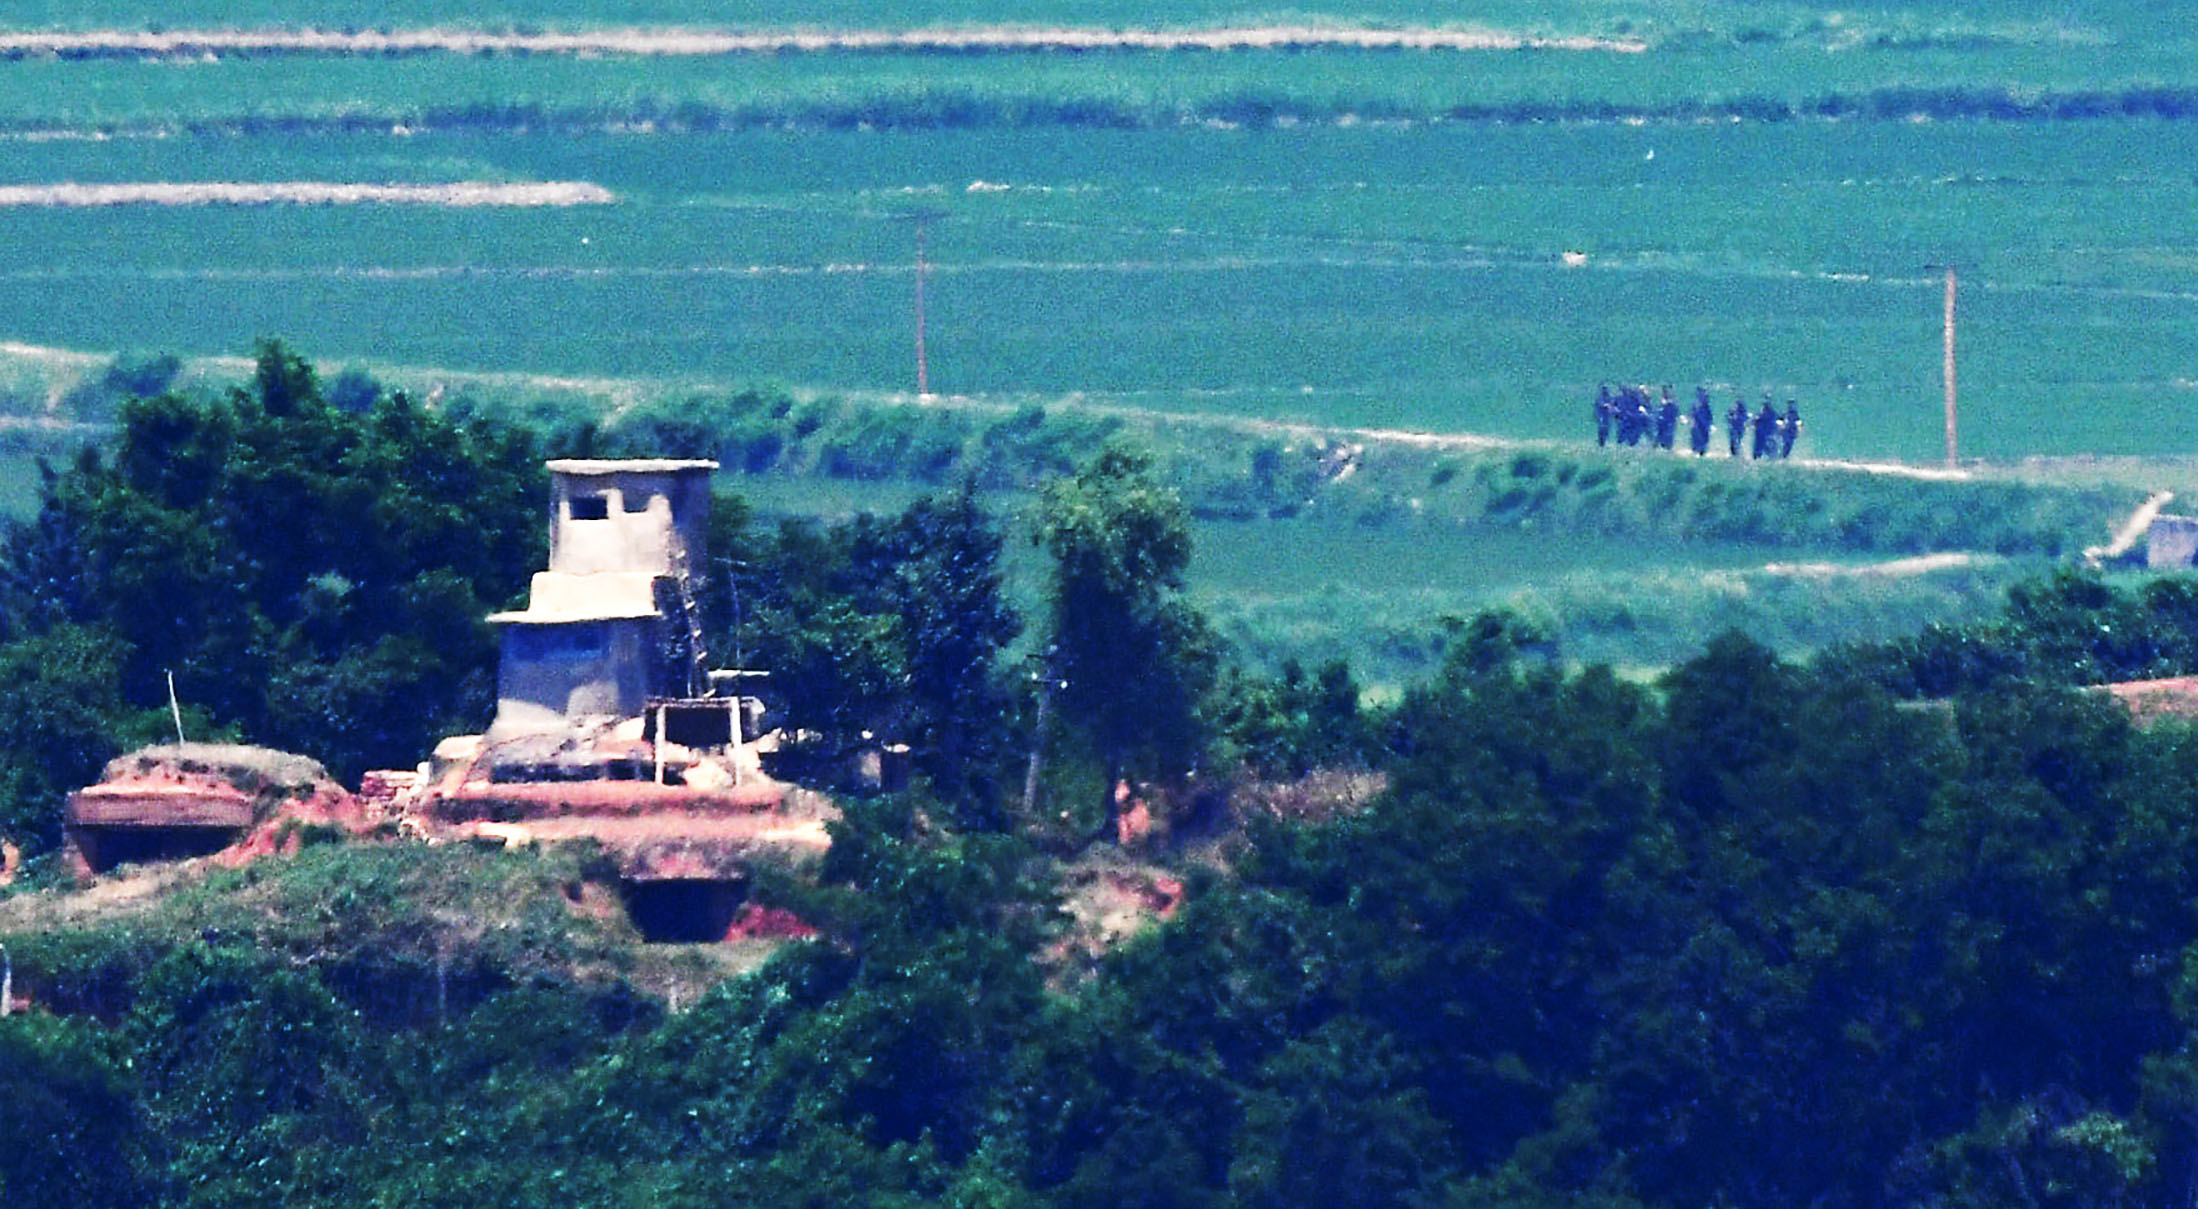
(698, 654)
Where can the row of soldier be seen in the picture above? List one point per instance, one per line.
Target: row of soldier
(1633, 417)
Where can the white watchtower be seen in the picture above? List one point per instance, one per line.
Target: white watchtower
(612, 623)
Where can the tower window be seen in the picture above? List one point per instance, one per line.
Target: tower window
(537, 643)
(590, 507)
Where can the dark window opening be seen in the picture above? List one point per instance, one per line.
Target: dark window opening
(106, 847)
(535, 643)
(683, 910)
(590, 507)
(637, 501)
(691, 723)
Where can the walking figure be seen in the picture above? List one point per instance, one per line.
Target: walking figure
(1736, 425)
(1766, 428)
(1667, 420)
(1605, 412)
(1789, 430)
(1699, 422)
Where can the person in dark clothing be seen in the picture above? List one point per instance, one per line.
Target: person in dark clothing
(1789, 430)
(1700, 422)
(1605, 412)
(1766, 428)
(1736, 425)
(1644, 417)
(1667, 420)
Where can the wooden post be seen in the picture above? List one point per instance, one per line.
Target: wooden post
(923, 372)
(657, 748)
(740, 740)
(174, 709)
(1951, 458)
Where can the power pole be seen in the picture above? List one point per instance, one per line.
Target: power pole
(922, 218)
(923, 369)
(1951, 459)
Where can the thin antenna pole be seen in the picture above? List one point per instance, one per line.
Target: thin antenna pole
(1950, 454)
(923, 370)
(175, 710)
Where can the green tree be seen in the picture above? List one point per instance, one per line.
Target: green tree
(1134, 657)
(314, 578)
(938, 568)
(70, 1133)
(62, 718)
(889, 626)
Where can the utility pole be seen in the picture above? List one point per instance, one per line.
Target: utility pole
(923, 369)
(922, 218)
(1951, 459)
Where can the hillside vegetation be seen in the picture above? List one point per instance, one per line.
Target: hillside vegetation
(1584, 940)
(1923, 898)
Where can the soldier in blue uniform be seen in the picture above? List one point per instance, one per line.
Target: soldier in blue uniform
(1699, 422)
(1766, 428)
(1736, 425)
(1667, 420)
(1605, 412)
(1789, 430)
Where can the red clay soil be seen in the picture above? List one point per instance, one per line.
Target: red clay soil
(2151, 700)
(162, 801)
(754, 921)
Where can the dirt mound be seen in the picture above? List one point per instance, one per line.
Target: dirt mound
(228, 801)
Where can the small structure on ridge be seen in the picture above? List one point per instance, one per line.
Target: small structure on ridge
(184, 800)
(610, 726)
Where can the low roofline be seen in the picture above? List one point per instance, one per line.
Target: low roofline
(596, 466)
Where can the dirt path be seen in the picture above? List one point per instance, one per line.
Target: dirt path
(1892, 568)
(654, 41)
(308, 193)
(2125, 537)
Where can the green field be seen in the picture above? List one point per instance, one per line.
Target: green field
(1448, 241)
(1343, 237)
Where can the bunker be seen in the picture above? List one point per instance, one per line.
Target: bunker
(179, 801)
(610, 727)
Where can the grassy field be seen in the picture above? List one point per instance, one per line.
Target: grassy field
(1442, 240)
(1752, 196)
(1388, 277)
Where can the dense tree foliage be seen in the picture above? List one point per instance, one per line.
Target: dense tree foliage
(312, 576)
(1906, 925)
(1132, 658)
(1757, 934)
(880, 629)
